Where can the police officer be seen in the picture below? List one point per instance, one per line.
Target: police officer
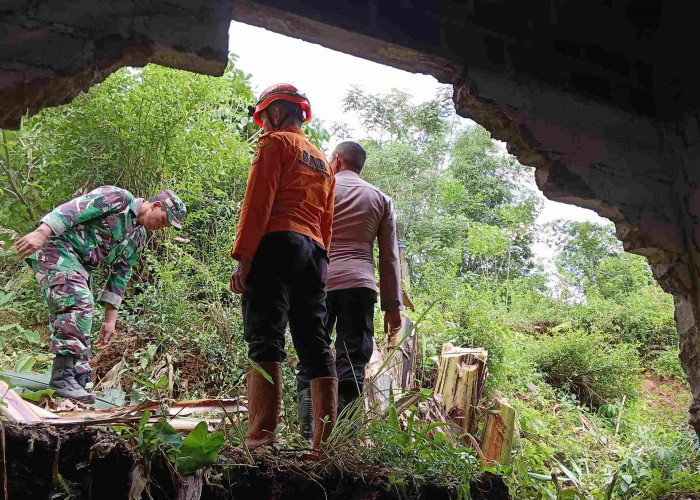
(283, 236)
(107, 226)
(362, 215)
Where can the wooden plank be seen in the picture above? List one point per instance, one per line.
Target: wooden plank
(409, 351)
(462, 406)
(498, 433)
(440, 382)
(450, 382)
(405, 276)
(399, 373)
(470, 416)
(377, 384)
(16, 409)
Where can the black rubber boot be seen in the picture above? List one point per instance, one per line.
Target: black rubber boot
(304, 407)
(344, 400)
(82, 379)
(63, 381)
(348, 392)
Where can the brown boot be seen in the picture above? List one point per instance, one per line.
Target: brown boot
(264, 404)
(324, 398)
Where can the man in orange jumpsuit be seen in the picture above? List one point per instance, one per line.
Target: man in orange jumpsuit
(282, 244)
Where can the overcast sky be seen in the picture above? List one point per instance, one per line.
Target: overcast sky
(325, 75)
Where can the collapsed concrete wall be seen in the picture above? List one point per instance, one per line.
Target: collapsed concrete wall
(629, 169)
(51, 50)
(599, 96)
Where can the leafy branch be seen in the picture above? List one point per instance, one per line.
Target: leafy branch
(6, 167)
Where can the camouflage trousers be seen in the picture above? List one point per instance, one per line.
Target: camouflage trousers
(66, 287)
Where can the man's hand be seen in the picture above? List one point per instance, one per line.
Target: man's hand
(108, 327)
(106, 334)
(392, 321)
(30, 243)
(392, 324)
(239, 276)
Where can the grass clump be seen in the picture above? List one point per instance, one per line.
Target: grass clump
(420, 452)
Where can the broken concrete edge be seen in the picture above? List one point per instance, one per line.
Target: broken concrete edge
(51, 54)
(342, 40)
(31, 95)
(93, 463)
(671, 254)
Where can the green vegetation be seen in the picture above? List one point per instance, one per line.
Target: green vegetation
(587, 366)
(583, 361)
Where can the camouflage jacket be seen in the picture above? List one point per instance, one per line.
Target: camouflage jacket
(101, 228)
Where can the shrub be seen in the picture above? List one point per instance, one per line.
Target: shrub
(421, 452)
(648, 318)
(588, 366)
(668, 365)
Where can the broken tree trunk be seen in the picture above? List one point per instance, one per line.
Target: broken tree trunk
(405, 276)
(460, 382)
(391, 368)
(189, 487)
(412, 345)
(498, 432)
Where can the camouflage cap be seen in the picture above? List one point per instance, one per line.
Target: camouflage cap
(174, 207)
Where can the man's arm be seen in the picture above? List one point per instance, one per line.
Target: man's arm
(32, 242)
(119, 276)
(265, 173)
(103, 200)
(260, 192)
(112, 294)
(327, 219)
(389, 265)
(108, 327)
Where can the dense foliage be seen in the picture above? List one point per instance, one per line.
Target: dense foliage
(573, 359)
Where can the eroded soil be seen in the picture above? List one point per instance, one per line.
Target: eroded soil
(87, 463)
(666, 394)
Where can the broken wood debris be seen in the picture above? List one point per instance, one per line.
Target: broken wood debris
(18, 410)
(392, 368)
(459, 388)
(460, 382)
(498, 432)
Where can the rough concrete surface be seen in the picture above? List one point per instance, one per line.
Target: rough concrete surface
(601, 97)
(95, 465)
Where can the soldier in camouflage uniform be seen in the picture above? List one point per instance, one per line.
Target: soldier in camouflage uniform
(104, 227)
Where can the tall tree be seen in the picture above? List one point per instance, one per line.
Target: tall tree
(582, 246)
(459, 197)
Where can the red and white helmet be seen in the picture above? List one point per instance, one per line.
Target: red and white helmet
(285, 92)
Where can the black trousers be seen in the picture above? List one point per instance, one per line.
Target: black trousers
(287, 284)
(351, 311)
